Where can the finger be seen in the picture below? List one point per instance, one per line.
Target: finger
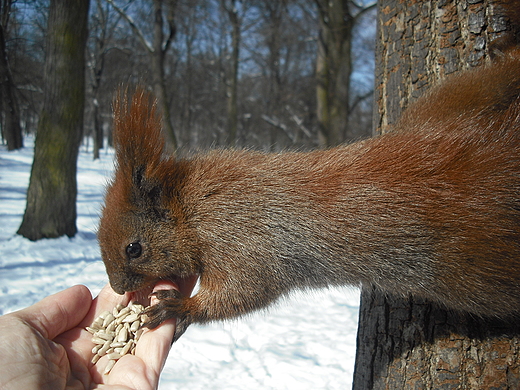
(105, 301)
(151, 352)
(153, 348)
(58, 313)
(154, 344)
(78, 342)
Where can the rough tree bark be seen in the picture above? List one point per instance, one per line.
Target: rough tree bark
(408, 343)
(51, 197)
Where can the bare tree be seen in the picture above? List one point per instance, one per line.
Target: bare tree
(101, 34)
(410, 343)
(51, 197)
(225, 71)
(279, 52)
(334, 66)
(230, 7)
(164, 18)
(9, 110)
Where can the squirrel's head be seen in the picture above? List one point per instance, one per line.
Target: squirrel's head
(144, 234)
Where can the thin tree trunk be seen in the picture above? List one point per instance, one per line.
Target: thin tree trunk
(157, 51)
(160, 48)
(275, 14)
(334, 68)
(410, 343)
(11, 128)
(98, 66)
(98, 131)
(322, 90)
(51, 197)
(232, 84)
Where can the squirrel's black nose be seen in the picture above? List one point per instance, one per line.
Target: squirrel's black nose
(117, 288)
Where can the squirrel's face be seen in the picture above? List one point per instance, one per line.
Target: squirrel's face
(144, 234)
(143, 238)
(129, 249)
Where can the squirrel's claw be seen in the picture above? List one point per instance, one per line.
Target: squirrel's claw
(170, 305)
(180, 328)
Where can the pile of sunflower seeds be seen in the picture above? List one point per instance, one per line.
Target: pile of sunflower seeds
(116, 333)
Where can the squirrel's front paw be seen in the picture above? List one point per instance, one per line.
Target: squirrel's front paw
(170, 305)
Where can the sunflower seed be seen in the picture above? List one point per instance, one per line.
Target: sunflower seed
(108, 319)
(131, 318)
(116, 333)
(109, 366)
(122, 336)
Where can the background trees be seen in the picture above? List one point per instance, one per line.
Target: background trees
(230, 72)
(225, 72)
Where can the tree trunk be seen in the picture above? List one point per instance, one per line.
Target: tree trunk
(333, 67)
(232, 82)
(158, 56)
(98, 130)
(97, 67)
(275, 18)
(412, 344)
(51, 197)
(11, 129)
(409, 343)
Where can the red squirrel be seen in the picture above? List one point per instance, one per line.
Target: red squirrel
(430, 209)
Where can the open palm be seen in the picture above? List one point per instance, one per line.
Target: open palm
(46, 346)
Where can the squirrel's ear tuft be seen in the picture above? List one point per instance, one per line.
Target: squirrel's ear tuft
(137, 129)
(139, 147)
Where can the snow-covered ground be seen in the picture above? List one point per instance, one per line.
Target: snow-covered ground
(306, 341)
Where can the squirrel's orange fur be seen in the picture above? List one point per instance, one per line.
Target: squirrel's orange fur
(430, 209)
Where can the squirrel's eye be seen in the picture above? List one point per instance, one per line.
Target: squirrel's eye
(134, 250)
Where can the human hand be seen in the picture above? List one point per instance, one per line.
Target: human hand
(46, 346)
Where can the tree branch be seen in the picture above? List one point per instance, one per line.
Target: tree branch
(364, 10)
(170, 18)
(298, 121)
(133, 26)
(359, 99)
(276, 123)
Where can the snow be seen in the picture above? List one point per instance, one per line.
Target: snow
(306, 341)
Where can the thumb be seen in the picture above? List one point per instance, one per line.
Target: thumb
(58, 313)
